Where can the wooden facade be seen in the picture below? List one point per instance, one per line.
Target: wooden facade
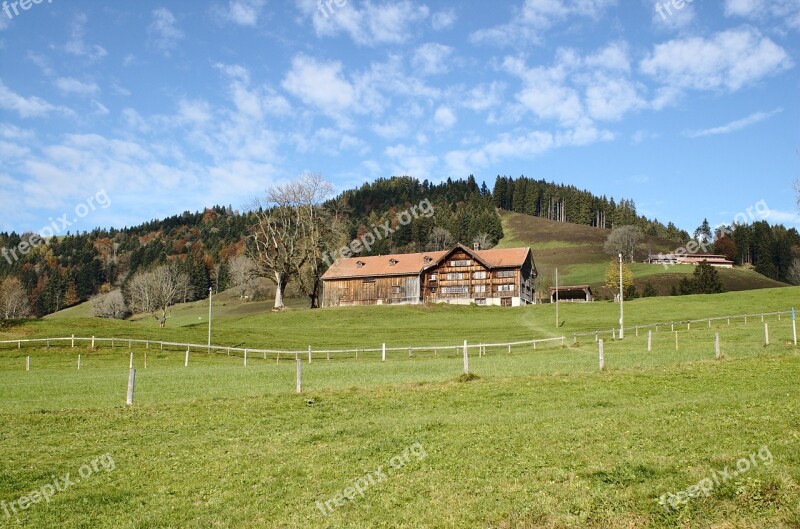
(460, 276)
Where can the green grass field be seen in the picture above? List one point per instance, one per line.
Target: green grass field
(539, 439)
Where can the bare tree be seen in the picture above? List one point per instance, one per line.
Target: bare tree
(157, 291)
(440, 239)
(14, 303)
(111, 305)
(483, 241)
(797, 191)
(623, 240)
(244, 271)
(287, 235)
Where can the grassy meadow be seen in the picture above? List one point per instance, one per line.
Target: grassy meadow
(577, 252)
(536, 439)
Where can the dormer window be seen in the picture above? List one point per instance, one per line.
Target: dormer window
(427, 259)
(393, 262)
(360, 264)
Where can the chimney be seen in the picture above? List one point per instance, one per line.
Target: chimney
(476, 246)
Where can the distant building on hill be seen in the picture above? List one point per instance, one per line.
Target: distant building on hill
(720, 261)
(459, 276)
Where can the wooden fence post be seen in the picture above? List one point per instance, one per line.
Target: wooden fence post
(92, 342)
(466, 358)
(299, 375)
(73, 341)
(717, 354)
(79, 362)
(309, 354)
(130, 365)
(602, 356)
(145, 359)
(676, 340)
(131, 384)
(27, 363)
(186, 362)
(383, 353)
(245, 358)
(794, 328)
(766, 333)
(328, 355)
(649, 341)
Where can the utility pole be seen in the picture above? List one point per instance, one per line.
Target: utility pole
(556, 297)
(621, 302)
(210, 290)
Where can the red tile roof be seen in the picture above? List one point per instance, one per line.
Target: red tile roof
(415, 263)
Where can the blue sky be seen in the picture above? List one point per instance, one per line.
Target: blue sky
(692, 111)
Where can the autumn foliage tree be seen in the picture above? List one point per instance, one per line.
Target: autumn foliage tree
(612, 278)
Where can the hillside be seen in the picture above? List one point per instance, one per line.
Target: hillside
(577, 251)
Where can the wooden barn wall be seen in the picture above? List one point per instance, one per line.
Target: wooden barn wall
(357, 291)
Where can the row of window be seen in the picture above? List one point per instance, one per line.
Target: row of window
(482, 274)
(477, 289)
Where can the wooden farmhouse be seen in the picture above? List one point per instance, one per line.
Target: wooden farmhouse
(461, 276)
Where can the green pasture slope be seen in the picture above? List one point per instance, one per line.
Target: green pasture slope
(539, 439)
(577, 252)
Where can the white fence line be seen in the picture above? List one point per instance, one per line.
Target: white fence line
(435, 348)
(225, 349)
(671, 324)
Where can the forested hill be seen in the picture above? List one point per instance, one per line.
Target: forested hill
(567, 203)
(205, 245)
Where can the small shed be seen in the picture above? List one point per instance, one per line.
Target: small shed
(572, 294)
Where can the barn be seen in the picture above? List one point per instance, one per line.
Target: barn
(458, 276)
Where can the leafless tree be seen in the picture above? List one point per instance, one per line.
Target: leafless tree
(440, 239)
(623, 240)
(14, 303)
(111, 305)
(483, 241)
(288, 235)
(243, 270)
(157, 291)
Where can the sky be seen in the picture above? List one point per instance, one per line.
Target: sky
(116, 113)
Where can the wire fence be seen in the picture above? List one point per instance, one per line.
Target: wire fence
(276, 353)
(175, 371)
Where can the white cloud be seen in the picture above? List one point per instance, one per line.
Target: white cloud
(783, 217)
(442, 20)
(734, 126)
(70, 85)
(444, 118)
(409, 161)
(242, 12)
(640, 136)
(520, 146)
(531, 20)
(367, 23)
(320, 84)
(27, 107)
(729, 61)
(785, 11)
(76, 45)
(431, 58)
(164, 31)
(484, 97)
(613, 57)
